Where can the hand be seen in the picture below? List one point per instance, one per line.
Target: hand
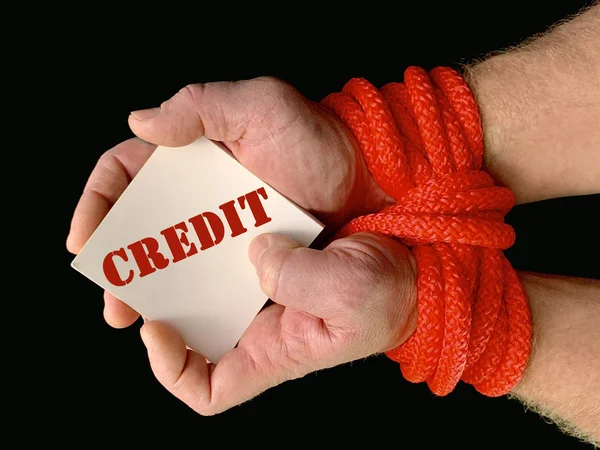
(297, 146)
(353, 299)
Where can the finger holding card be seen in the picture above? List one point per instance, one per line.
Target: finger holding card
(296, 146)
(241, 374)
(218, 111)
(109, 179)
(111, 176)
(361, 301)
(174, 246)
(118, 314)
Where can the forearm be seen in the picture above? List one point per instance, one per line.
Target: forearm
(562, 379)
(540, 106)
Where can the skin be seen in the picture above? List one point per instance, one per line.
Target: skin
(540, 109)
(540, 106)
(357, 297)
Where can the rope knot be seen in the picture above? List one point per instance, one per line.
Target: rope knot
(461, 208)
(423, 143)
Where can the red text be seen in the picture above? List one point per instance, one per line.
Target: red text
(147, 256)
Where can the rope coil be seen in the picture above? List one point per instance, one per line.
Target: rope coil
(423, 143)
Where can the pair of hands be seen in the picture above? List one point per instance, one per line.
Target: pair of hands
(355, 298)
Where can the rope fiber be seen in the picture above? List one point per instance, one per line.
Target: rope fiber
(423, 143)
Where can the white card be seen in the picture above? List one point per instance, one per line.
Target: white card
(199, 281)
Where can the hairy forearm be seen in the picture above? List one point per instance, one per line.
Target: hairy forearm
(540, 106)
(562, 379)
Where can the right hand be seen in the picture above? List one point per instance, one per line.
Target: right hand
(297, 146)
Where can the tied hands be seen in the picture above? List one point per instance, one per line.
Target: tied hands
(355, 298)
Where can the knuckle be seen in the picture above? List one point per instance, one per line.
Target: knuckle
(186, 103)
(109, 168)
(176, 386)
(275, 89)
(189, 95)
(276, 107)
(176, 382)
(107, 157)
(183, 388)
(210, 104)
(273, 83)
(295, 336)
(206, 411)
(108, 160)
(273, 263)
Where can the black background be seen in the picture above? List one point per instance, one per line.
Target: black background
(96, 381)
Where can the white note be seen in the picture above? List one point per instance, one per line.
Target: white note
(175, 245)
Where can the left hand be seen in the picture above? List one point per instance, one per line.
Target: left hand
(353, 299)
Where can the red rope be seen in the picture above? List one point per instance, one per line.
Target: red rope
(423, 143)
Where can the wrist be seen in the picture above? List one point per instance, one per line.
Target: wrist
(539, 106)
(406, 298)
(486, 84)
(422, 140)
(365, 196)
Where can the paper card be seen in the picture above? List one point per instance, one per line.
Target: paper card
(175, 245)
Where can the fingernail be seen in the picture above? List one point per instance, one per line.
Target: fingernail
(257, 247)
(144, 114)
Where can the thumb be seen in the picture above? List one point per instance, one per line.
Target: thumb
(213, 110)
(290, 274)
(221, 111)
(336, 281)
